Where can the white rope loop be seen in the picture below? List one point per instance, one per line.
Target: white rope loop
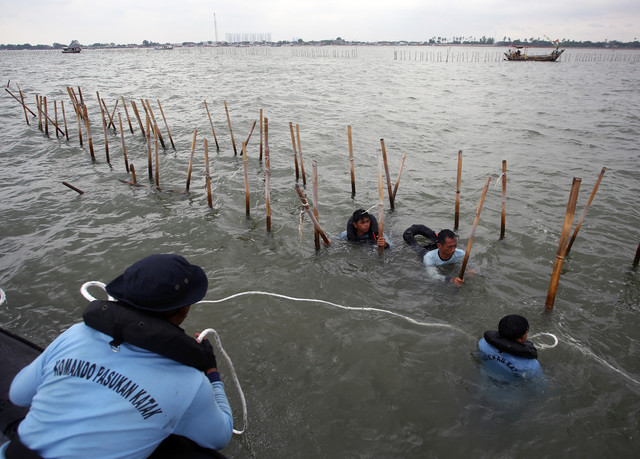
(545, 346)
(3, 297)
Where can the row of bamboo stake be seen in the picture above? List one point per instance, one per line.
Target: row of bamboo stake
(151, 126)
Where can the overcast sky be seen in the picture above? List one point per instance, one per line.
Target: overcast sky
(176, 21)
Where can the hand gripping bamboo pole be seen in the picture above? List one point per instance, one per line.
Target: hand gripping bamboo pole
(233, 141)
(193, 147)
(124, 147)
(305, 204)
(386, 170)
(212, 129)
(295, 153)
(304, 176)
(458, 180)
(126, 111)
(473, 230)
(584, 212)
(267, 181)
(166, 125)
(246, 176)
(504, 199)
(380, 204)
(562, 245)
(208, 179)
(351, 165)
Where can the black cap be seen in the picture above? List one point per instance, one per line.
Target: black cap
(160, 282)
(513, 326)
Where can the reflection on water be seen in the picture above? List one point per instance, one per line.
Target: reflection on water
(322, 380)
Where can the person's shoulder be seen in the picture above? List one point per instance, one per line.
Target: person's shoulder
(429, 257)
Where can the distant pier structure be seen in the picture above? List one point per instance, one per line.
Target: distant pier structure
(248, 37)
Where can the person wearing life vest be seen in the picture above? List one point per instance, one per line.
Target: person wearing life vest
(362, 227)
(128, 377)
(507, 353)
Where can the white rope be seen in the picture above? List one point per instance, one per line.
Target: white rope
(545, 346)
(3, 297)
(233, 375)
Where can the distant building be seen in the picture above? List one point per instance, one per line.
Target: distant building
(248, 37)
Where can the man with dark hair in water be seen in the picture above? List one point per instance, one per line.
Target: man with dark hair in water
(446, 253)
(507, 352)
(363, 227)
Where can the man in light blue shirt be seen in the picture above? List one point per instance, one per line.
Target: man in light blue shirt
(446, 253)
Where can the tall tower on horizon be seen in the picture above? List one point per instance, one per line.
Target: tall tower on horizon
(215, 26)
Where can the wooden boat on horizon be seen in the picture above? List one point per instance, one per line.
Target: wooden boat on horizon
(519, 53)
(71, 50)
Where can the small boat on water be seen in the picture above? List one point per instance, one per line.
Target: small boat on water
(163, 47)
(519, 53)
(71, 50)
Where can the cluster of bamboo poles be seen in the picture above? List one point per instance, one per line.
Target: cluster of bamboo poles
(315, 52)
(151, 128)
(448, 56)
(246, 50)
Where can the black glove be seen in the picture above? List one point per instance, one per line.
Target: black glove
(209, 355)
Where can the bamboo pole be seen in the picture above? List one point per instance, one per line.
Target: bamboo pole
(295, 153)
(104, 129)
(267, 181)
(386, 171)
(135, 111)
(81, 98)
(380, 203)
(124, 147)
(305, 204)
(22, 102)
(246, 176)
(304, 176)
(637, 257)
(148, 137)
(473, 230)
(351, 164)
(584, 212)
(562, 245)
(250, 132)
(504, 199)
(76, 107)
(64, 117)
(316, 235)
(113, 114)
(261, 134)
(458, 180)
(193, 147)
(155, 142)
(233, 141)
(79, 191)
(55, 111)
(155, 124)
(133, 173)
(212, 129)
(87, 126)
(208, 178)
(46, 117)
(395, 188)
(166, 125)
(126, 111)
(106, 111)
(39, 108)
(24, 107)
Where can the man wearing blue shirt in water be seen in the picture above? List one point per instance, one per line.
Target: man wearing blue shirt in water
(363, 227)
(446, 253)
(507, 353)
(128, 377)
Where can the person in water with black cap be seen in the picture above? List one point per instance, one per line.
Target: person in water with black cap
(507, 352)
(363, 227)
(128, 377)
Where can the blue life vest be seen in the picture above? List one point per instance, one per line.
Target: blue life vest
(508, 359)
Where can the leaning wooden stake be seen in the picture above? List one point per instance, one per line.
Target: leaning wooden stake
(24, 107)
(351, 165)
(39, 108)
(261, 134)
(295, 153)
(562, 245)
(473, 230)
(233, 142)
(79, 191)
(304, 176)
(380, 203)
(206, 167)
(124, 147)
(55, 111)
(395, 188)
(305, 204)
(155, 143)
(250, 132)
(386, 171)
(316, 235)
(155, 124)
(166, 125)
(133, 173)
(126, 111)
(104, 129)
(149, 160)
(584, 212)
(86, 122)
(458, 180)
(504, 199)
(22, 102)
(135, 111)
(212, 129)
(637, 258)
(246, 177)
(64, 117)
(193, 147)
(267, 168)
(46, 117)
